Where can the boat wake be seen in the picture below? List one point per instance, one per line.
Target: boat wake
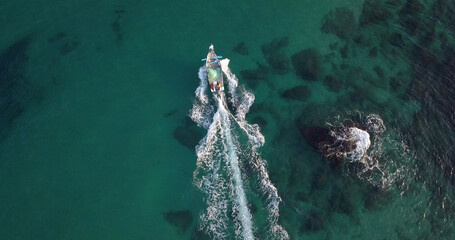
(230, 171)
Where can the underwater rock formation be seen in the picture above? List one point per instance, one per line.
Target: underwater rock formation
(307, 64)
(301, 93)
(241, 49)
(334, 84)
(337, 143)
(253, 76)
(318, 137)
(273, 53)
(340, 22)
(181, 219)
(340, 202)
(373, 12)
(314, 222)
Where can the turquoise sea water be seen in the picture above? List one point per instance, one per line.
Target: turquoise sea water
(96, 140)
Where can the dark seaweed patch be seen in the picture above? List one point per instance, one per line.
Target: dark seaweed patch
(115, 26)
(379, 71)
(56, 37)
(396, 39)
(273, 53)
(373, 52)
(334, 84)
(314, 222)
(253, 76)
(69, 46)
(170, 113)
(241, 49)
(344, 51)
(15, 91)
(301, 93)
(188, 135)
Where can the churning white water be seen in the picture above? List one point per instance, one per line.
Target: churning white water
(220, 172)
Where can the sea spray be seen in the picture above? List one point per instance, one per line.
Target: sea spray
(220, 172)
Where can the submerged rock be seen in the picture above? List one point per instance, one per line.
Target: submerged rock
(409, 15)
(188, 135)
(373, 52)
(241, 49)
(334, 84)
(338, 143)
(301, 93)
(373, 12)
(340, 22)
(314, 222)
(275, 45)
(199, 234)
(273, 53)
(307, 64)
(181, 219)
(396, 39)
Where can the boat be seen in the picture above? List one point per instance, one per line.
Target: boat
(213, 69)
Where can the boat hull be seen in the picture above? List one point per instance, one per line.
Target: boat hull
(214, 72)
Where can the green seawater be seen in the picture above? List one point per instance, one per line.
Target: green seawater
(96, 142)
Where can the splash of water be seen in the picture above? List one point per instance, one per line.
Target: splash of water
(222, 162)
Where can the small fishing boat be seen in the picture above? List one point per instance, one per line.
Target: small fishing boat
(213, 69)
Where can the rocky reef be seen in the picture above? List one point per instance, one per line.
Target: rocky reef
(181, 219)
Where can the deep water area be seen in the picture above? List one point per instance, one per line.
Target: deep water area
(355, 100)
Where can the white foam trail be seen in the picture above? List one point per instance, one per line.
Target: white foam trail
(219, 173)
(242, 207)
(242, 101)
